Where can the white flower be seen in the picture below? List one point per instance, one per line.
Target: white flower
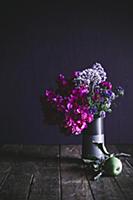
(94, 75)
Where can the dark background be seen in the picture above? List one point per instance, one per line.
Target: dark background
(39, 41)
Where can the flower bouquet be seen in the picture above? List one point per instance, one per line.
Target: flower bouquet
(79, 102)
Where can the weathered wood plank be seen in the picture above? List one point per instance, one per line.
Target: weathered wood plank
(4, 174)
(30, 172)
(106, 188)
(73, 179)
(16, 185)
(5, 166)
(46, 176)
(10, 152)
(125, 179)
(127, 149)
(34, 173)
(38, 153)
(45, 185)
(29, 188)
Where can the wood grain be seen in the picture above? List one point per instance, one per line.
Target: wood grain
(74, 182)
(125, 179)
(56, 172)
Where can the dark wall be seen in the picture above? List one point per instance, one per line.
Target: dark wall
(40, 41)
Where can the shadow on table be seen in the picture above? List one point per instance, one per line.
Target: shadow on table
(12, 154)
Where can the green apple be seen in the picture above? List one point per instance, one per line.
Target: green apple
(113, 166)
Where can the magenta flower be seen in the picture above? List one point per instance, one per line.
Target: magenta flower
(75, 74)
(90, 118)
(62, 82)
(81, 99)
(107, 84)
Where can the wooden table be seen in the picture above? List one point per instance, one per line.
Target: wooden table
(55, 172)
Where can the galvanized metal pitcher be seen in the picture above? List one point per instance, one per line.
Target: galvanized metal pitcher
(92, 136)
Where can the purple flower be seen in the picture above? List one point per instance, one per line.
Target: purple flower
(93, 110)
(82, 98)
(120, 91)
(107, 85)
(75, 74)
(107, 93)
(50, 95)
(102, 114)
(102, 99)
(84, 115)
(61, 80)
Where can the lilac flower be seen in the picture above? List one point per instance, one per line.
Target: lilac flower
(82, 98)
(94, 75)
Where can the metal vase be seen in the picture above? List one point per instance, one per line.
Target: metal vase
(93, 134)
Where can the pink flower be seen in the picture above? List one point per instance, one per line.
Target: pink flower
(50, 95)
(69, 106)
(90, 118)
(75, 74)
(62, 81)
(107, 84)
(84, 125)
(77, 105)
(84, 116)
